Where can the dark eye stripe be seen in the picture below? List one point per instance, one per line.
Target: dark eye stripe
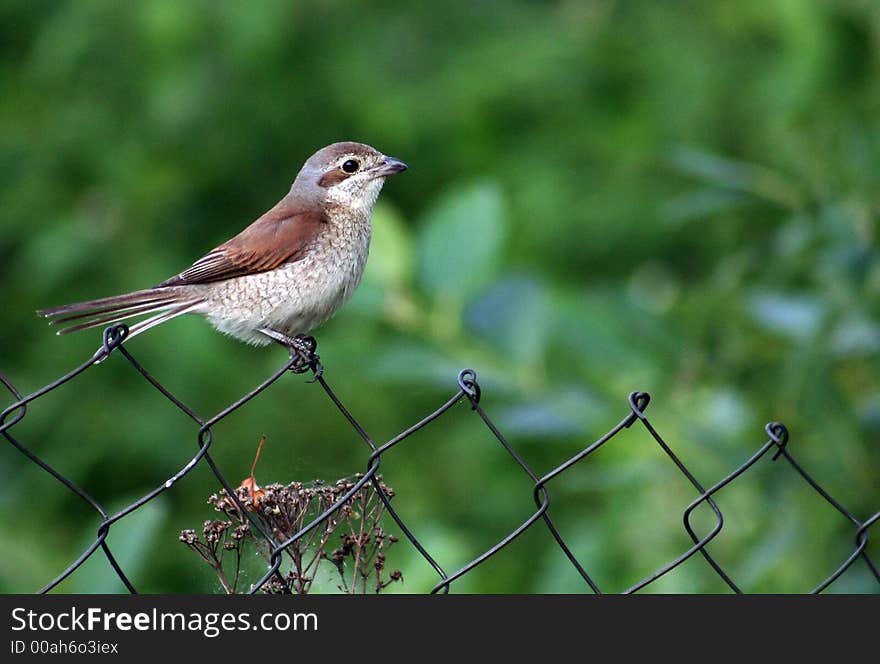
(330, 178)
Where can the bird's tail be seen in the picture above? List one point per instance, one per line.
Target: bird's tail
(164, 303)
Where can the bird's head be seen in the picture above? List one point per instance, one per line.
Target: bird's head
(348, 174)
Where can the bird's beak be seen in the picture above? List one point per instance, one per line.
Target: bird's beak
(389, 166)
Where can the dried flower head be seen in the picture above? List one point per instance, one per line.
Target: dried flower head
(353, 515)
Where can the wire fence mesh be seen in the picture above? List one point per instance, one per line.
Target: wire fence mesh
(468, 390)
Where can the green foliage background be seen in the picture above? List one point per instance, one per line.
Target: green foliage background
(603, 196)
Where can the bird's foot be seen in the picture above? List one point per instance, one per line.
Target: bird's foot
(302, 352)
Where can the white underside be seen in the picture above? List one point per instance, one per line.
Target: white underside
(291, 300)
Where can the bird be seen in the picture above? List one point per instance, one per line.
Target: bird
(284, 275)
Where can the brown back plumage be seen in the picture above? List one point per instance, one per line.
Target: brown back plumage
(280, 236)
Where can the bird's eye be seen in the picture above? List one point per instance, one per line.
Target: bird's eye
(351, 166)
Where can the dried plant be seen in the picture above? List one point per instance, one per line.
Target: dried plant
(360, 558)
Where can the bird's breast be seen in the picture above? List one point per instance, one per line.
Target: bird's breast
(296, 297)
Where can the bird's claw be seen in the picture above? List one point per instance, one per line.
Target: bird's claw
(303, 356)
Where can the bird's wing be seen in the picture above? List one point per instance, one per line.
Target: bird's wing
(280, 236)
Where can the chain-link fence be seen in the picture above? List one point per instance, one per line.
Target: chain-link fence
(775, 447)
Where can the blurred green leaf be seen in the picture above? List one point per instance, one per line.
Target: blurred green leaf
(391, 250)
(414, 364)
(855, 335)
(737, 176)
(702, 203)
(798, 316)
(513, 315)
(461, 238)
(132, 541)
(561, 413)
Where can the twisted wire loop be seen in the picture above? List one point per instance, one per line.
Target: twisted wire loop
(304, 359)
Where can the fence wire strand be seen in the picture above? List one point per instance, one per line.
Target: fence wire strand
(468, 391)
